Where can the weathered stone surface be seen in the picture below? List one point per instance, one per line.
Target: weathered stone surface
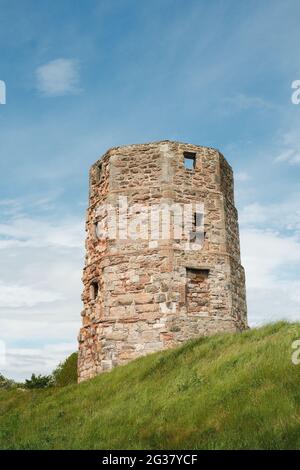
(154, 294)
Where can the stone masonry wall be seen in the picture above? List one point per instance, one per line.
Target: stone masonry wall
(141, 294)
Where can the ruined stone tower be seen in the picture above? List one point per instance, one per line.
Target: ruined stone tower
(145, 291)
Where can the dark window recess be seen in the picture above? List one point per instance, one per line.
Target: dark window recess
(195, 233)
(189, 160)
(94, 289)
(99, 171)
(94, 230)
(197, 273)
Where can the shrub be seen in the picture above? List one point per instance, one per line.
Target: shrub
(6, 383)
(39, 381)
(66, 372)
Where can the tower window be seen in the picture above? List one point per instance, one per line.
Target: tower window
(197, 222)
(99, 172)
(94, 289)
(197, 291)
(97, 230)
(189, 160)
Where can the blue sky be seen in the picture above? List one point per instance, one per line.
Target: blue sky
(82, 76)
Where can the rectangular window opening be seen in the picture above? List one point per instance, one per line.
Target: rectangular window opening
(197, 291)
(99, 171)
(189, 160)
(94, 290)
(200, 273)
(197, 222)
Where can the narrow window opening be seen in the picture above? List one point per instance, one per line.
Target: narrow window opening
(195, 232)
(95, 230)
(99, 172)
(189, 160)
(94, 290)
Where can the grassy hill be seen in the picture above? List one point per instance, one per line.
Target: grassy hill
(228, 391)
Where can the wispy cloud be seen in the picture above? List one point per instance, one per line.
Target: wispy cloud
(38, 233)
(21, 362)
(40, 286)
(242, 102)
(291, 156)
(271, 261)
(281, 217)
(290, 146)
(242, 176)
(15, 295)
(58, 77)
(270, 247)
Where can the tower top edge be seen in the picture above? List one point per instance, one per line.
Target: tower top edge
(187, 146)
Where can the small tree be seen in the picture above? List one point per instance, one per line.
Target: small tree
(6, 383)
(39, 381)
(66, 372)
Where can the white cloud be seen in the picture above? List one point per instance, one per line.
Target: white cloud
(291, 156)
(58, 77)
(20, 363)
(24, 296)
(40, 288)
(242, 102)
(241, 176)
(266, 254)
(270, 248)
(290, 152)
(282, 217)
(28, 231)
(272, 270)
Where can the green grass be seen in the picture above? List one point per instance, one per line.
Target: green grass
(229, 391)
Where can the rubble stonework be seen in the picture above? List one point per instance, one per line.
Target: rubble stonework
(143, 295)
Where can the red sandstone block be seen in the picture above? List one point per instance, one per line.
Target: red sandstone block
(143, 298)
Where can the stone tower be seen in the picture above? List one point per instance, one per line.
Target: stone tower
(145, 291)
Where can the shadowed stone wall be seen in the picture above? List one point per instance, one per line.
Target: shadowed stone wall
(141, 294)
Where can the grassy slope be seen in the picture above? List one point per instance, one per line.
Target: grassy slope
(227, 391)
